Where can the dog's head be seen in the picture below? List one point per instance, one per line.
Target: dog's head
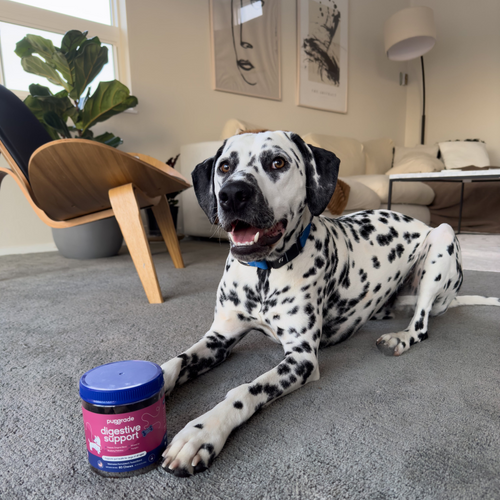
(263, 188)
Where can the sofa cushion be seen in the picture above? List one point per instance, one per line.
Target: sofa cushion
(361, 197)
(400, 153)
(378, 155)
(458, 154)
(234, 126)
(415, 193)
(416, 163)
(349, 151)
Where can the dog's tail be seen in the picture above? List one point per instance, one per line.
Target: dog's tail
(462, 300)
(474, 300)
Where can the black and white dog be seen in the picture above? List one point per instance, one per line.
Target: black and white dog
(304, 281)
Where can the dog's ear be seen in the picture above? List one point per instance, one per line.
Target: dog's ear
(203, 183)
(322, 169)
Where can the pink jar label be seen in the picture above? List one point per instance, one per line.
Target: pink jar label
(127, 441)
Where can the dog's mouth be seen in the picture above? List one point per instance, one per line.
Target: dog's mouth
(254, 242)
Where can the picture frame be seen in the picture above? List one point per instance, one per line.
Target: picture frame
(246, 47)
(322, 54)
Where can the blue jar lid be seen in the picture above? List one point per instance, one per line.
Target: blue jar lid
(121, 383)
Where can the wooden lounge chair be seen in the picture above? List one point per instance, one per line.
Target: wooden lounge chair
(70, 182)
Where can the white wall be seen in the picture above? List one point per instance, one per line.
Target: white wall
(170, 52)
(462, 74)
(171, 76)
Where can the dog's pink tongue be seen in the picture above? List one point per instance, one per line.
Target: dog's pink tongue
(244, 235)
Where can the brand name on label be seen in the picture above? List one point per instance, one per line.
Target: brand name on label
(117, 421)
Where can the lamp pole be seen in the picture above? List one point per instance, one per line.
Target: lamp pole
(422, 135)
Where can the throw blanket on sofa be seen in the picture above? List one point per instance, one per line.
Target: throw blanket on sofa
(340, 197)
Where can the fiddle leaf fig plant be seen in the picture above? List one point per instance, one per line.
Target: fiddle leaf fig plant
(73, 66)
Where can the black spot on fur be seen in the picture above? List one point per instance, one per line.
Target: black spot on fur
(319, 262)
(255, 389)
(283, 369)
(304, 370)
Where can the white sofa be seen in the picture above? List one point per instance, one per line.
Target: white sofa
(363, 167)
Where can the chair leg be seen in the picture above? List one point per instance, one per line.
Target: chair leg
(163, 216)
(126, 210)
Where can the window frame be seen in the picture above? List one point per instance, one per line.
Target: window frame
(42, 19)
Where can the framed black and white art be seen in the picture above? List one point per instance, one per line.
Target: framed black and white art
(246, 47)
(322, 54)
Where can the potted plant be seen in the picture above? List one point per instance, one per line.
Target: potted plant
(73, 66)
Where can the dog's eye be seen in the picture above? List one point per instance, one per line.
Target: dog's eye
(224, 167)
(278, 163)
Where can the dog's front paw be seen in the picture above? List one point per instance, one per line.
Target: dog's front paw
(194, 448)
(391, 345)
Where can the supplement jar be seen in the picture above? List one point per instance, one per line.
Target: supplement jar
(124, 416)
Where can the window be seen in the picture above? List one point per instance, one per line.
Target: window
(103, 18)
(98, 11)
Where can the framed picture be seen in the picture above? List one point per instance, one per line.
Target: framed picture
(322, 54)
(246, 47)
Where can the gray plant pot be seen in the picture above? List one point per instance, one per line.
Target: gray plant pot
(94, 240)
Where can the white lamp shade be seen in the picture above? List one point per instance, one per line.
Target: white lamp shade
(410, 33)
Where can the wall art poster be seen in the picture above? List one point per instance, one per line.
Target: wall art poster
(322, 54)
(246, 47)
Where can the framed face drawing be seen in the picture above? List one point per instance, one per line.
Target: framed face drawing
(322, 54)
(246, 47)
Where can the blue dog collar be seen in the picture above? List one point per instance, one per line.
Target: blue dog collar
(287, 257)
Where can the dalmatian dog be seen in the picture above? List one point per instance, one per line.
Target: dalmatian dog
(302, 280)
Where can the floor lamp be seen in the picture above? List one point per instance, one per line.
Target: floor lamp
(408, 34)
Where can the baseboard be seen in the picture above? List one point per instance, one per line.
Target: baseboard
(46, 247)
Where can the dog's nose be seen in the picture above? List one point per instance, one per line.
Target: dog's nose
(235, 195)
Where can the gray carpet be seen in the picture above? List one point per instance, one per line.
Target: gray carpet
(422, 426)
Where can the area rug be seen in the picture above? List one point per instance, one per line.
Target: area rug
(421, 426)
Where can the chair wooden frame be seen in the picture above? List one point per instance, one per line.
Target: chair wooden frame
(75, 181)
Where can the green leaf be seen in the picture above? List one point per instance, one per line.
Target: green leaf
(109, 139)
(39, 90)
(109, 99)
(88, 134)
(52, 119)
(59, 103)
(39, 108)
(61, 64)
(90, 59)
(35, 44)
(35, 65)
(72, 40)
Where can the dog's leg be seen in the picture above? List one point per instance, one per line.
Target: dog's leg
(437, 279)
(211, 350)
(194, 448)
